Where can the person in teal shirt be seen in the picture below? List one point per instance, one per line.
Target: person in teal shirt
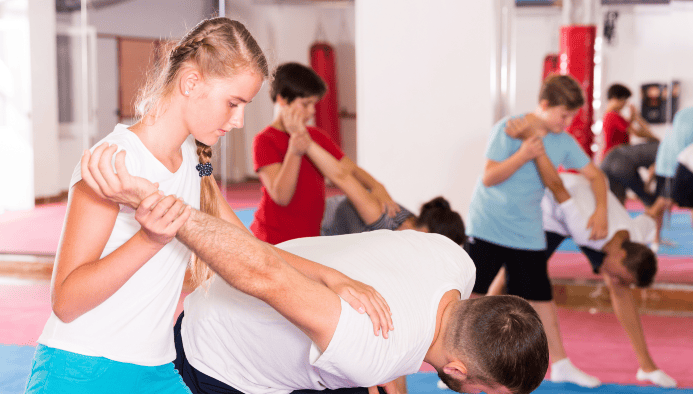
(673, 143)
(505, 217)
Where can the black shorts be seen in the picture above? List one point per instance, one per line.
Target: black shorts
(664, 185)
(682, 188)
(525, 270)
(199, 383)
(554, 240)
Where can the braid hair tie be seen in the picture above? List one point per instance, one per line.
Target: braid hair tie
(204, 169)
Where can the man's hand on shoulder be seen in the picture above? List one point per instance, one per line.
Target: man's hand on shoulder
(364, 299)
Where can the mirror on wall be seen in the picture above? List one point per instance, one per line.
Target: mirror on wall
(646, 46)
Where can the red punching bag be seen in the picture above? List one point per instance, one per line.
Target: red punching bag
(550, 65)
(326, 110)
(577, 59)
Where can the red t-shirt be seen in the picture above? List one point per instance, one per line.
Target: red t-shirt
(614, 128)
(302, 216)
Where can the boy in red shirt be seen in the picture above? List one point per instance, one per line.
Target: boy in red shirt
(293, 189)
(621, 160)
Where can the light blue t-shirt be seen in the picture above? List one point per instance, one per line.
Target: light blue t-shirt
(675, 141)
(509, 213)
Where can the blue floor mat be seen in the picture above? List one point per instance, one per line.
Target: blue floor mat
(245, 216)
(15, 366)
(426, 383)
(677, 230)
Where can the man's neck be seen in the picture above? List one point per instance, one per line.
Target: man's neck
(435, 354)
(615, 244)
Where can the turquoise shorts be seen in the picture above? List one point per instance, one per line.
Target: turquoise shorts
(58, 371)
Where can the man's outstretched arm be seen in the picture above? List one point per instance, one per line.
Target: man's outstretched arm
(250, 265)
(255, 268)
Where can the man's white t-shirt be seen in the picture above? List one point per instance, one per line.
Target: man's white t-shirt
(134, 324)
(570, 218)
(243, 342)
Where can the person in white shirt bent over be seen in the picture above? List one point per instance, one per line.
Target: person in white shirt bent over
(622, 258)
(490, 344)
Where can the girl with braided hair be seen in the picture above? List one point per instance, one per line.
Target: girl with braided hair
(118, 273)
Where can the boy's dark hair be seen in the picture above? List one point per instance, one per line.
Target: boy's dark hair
(501, 341)
(618, 91)
(439, 218)
(641, 262)
(292, 80)
(562, 90)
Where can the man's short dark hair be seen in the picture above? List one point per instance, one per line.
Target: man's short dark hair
(641, 262)
(501, 341)
(619, 92)
(292, 80)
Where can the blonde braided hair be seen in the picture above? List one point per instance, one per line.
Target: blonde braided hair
(217, 48)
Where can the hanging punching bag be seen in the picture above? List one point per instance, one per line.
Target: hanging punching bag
(577, 59)
(550, 65)
(326, 110)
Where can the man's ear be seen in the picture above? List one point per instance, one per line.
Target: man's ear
(621, 254)
(456, 369)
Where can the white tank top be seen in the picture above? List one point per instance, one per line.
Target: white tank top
(134, 325)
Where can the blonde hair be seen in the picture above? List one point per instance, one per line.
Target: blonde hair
(217, 48)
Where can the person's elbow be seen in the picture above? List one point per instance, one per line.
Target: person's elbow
(63, 310)
(282, 201)
(488, 180)
(279, 197)
(341, 175)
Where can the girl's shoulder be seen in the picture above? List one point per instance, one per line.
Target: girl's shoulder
(124, 138)
(137, 154)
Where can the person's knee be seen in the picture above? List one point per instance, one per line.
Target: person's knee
(617, 165)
